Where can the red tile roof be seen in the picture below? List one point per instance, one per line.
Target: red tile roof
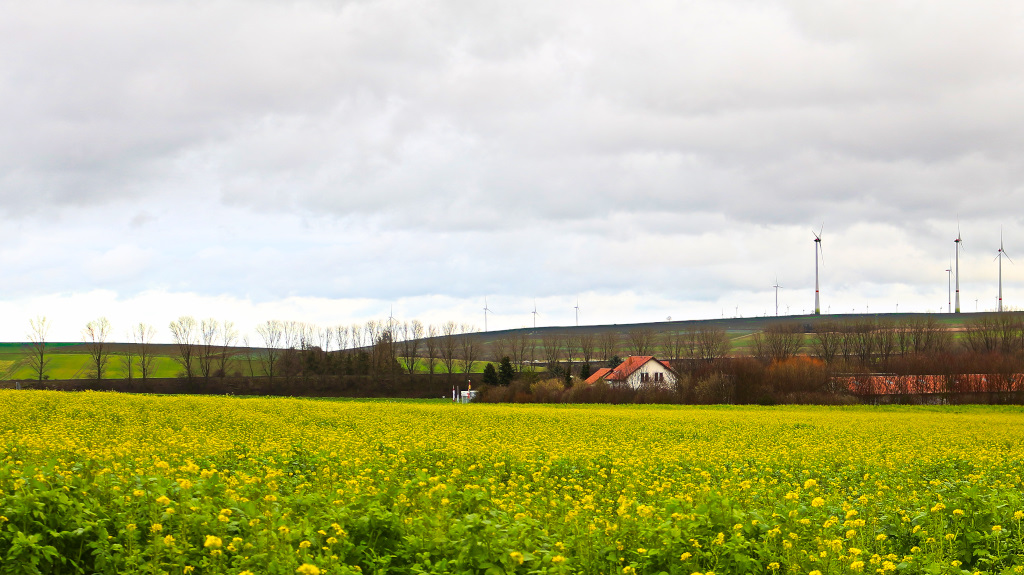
(598, 374)
(626, 368)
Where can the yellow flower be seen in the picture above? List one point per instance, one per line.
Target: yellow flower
(169, 540)
(685, 556)
(557, 559)
(517, 557)
(997, 528)
(810, 483)
(857, 566)
(773, 566)
(817, 502)
(1018, 515)
(212, 541)
(156, 527)
(188, 569)
(163, 500)
(304, 545)
(307, 569)
(881, 537)
(815, 572)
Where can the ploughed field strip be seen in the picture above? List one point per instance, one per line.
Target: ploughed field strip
(109, 483)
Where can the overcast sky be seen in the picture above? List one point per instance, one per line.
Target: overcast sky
(324, 161)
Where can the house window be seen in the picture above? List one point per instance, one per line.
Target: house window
(645, 377)
(659, 377)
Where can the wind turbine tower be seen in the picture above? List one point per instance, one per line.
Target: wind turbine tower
(817, 248)
(999, 257)
(534, 314)
(486, 309)
(577, 308)
(957, 269)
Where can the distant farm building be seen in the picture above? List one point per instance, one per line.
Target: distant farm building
(636, 372)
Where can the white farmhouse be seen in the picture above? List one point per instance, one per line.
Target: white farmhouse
(636, 372)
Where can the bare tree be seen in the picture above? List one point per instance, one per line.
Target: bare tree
(711, 343)
(608, 344)
(885, 340)
(469, 348)
(38, 361)
(142, 338)
(324, 343)
(640, 341)
(449, 346)
(228, 335)
(412, 337)
(533, 351)
(825, 344)
(128, 357)
(431, 344)
(95, 337)
(499, 348)
(586, 342)
(272, 333)
(551, 347)
(208, 330)
(186, 339)
(341, 337)
(778, 342)
(357, 336)
(518, 349)
(673, 344)
(249, 360)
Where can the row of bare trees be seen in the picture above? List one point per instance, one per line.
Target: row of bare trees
(205, 348)
(699, 342)
(134, 357)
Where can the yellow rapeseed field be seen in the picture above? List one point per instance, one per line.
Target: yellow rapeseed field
(108, 483)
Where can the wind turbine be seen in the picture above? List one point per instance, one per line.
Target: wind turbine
(577, 308)
(817, 248)
(949, 288)
(776, 286)
(534, 313)
(999, 257)
(486, 309)
(957, 269)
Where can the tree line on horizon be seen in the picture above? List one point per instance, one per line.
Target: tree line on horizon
(209, 348)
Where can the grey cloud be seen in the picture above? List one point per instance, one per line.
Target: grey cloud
(383, 148)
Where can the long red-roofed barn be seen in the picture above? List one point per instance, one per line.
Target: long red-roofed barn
(637, 371)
